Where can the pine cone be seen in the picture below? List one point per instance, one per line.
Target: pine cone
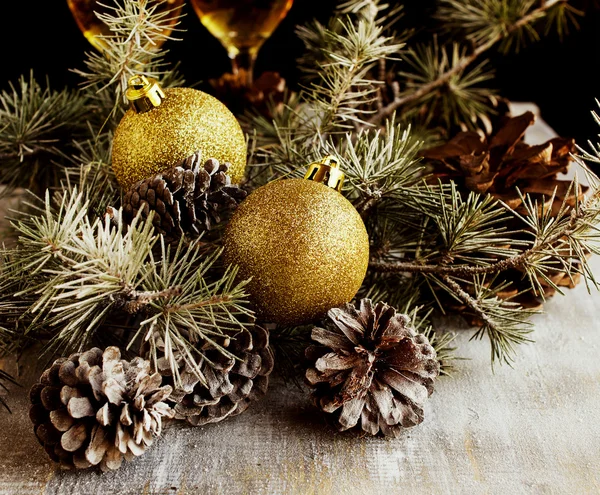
(502, 162)
(371, 368)
(95, 408)
(228, 386)
(187, 198)
(499, 164)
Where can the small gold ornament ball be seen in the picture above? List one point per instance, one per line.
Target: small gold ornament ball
(303, 244)
(187, 120)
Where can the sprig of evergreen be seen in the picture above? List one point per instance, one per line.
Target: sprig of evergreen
(37, 127)
(86, 275)
(507, 24)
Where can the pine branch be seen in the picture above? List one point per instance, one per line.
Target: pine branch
(461, 99)
(524, 22)
(345, 52)
(505, 323)
(37, 128)
(89, 170)
(379, 163)
(186, 326)
(550, 241)
(82, 273)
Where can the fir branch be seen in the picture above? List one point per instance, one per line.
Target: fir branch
(345, 52)
(462, 99)
(89, 170)
(558, 239)
(502, 31)
(93, 273)
(378, 163)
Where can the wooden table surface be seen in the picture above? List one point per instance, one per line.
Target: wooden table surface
(533, 428)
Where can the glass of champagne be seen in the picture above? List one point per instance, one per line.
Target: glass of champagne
(84, 14)
(242, 26)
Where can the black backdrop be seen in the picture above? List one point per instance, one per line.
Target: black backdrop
(559, 76)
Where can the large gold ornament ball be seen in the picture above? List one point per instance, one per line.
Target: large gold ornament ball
(186, 121)
(303, 244)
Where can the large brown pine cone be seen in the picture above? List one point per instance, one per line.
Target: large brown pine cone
(187, 199)
(226, 386)
(501, 163)
(371, 369)
(96, 408)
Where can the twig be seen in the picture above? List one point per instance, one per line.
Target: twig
(140, 299)
(469, 301)
(20, 154)
(462, 64)
(366, 206)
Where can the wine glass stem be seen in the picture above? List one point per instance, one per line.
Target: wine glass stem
(242, 64)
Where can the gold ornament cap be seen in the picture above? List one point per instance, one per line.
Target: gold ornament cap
(326, 171)
(144, 93)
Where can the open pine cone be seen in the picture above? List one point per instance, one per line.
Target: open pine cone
(189, 198)
(503, 162)
(228, 386)
(96, 408)
(371, 369)
(499, 165)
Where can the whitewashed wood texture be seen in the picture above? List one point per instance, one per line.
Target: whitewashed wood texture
(534, 428)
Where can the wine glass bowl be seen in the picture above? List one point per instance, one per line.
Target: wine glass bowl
(84, 13)
(242, 26)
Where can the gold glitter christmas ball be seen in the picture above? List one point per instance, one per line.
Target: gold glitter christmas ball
(303, 244)
(165, 126)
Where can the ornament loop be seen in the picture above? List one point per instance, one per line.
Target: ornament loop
(144, 93)
(327, 171)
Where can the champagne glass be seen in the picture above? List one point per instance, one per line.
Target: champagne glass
(84, 13)
(242, 26)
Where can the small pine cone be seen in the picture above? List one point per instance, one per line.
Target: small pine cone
(228, 386)
(188, 198)
(95, 408)
(371, 369)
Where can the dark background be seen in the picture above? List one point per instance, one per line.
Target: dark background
(558, 76)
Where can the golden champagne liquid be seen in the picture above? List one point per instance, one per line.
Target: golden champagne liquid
(241, 26)
(92, 27)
